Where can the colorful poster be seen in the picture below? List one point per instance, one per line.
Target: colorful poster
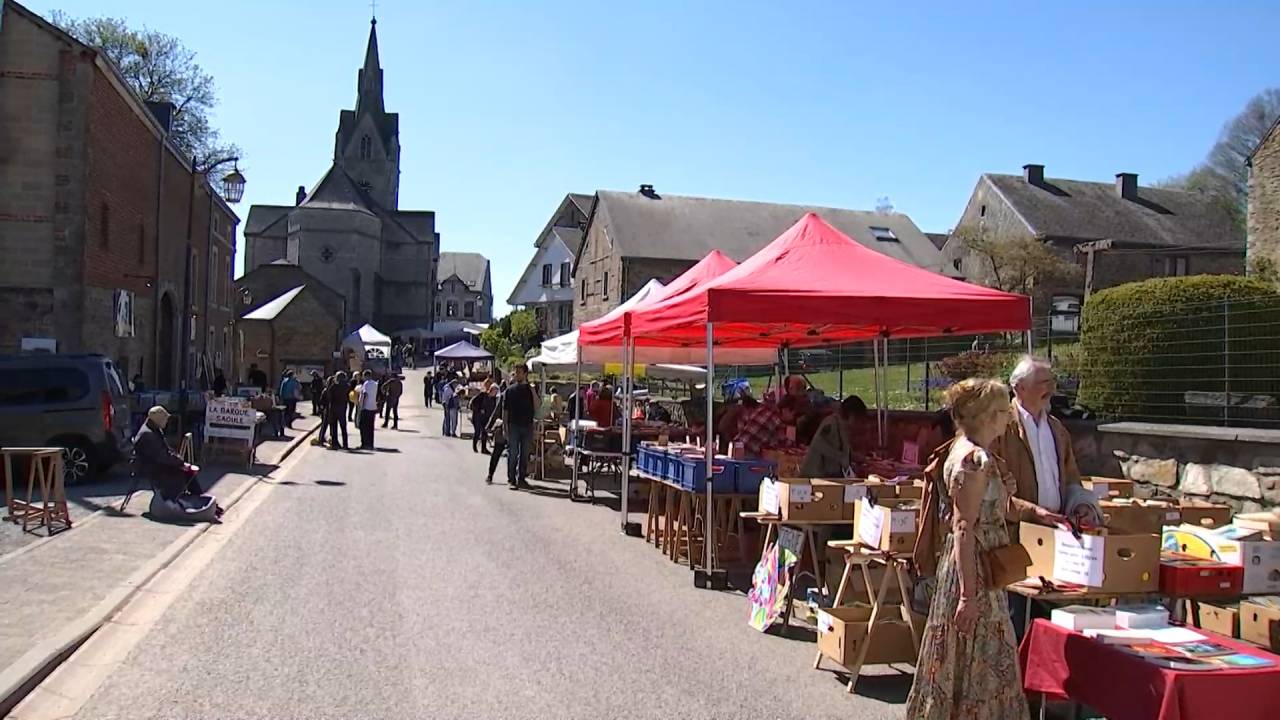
(770, 585)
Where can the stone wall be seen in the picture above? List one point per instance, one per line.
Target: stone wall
(1264, 200)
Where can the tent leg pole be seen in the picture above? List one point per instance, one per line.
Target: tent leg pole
(1031, 307)
(577, 417)
(710, 576)
(628, 373)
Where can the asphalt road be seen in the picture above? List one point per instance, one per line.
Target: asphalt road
(397, 585)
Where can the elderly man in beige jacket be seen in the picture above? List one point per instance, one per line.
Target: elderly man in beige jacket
(1036, 449)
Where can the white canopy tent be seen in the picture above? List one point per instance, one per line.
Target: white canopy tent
(368, 339)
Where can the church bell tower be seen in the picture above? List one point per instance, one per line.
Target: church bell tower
(367, 145)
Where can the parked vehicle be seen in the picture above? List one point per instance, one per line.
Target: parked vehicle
(75, 402)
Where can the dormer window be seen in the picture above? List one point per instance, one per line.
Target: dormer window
(366, 147)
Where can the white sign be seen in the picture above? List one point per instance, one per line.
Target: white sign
(854, 493)
(826, 623)
(902, 521)
(870, 523)
(1078, 561)
(229, 417)
(38, 344)
(801, 493)
(769, 501)
(792, 539)
(911, 452)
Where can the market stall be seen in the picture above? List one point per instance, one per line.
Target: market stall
(367, 343)
(464, 351)
(813, 286)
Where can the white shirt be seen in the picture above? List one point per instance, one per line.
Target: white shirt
(1044, 451)
(370, 391)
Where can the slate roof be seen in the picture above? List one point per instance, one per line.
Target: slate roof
(687, 228)
(1080, 211)
(262, 217)
(583, 201)
(571, 237)
(338, 191)
(471, 268)
(272, 308)
(938, 239)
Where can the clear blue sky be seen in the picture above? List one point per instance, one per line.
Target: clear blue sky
(506, 106)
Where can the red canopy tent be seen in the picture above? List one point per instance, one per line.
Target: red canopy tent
(814, 285)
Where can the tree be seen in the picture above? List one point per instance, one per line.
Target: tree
(510, 338)
(1017, 264)
(161, 69)
(1223, 173)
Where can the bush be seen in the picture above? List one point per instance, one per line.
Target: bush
(977, 363)
(1146, 344)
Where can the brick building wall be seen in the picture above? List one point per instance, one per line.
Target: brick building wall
(1264, 201)
(44, 80)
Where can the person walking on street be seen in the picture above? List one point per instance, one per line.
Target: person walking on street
(316, 390)
(452, 399)
(446, 397)
(336, 400)
(428, 389)
(519, 406)
(391, 403)
(495, 430)
(368, 398)
(290, 393)
(481, 407)
(322, 410)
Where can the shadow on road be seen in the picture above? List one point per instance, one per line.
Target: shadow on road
(885, 688)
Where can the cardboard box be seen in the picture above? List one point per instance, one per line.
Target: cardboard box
(1259, 558)
(1260, 622)
(806, 500)
(887, 526)
(885, 490)
(788, 463)
(1105, 488)
(843, 630)
(1132, 516)
(1184, 576)
(1110, 562)
(1223, 619)
(1205, 514)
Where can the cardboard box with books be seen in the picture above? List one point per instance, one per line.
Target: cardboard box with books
(1110, 562)
(810, 500)
(1134, 516)
(1260, 621)
(1221, 618)
(1247, 548)
(1105, 488)
(890, 527)
(1204, 514)
(843, 630)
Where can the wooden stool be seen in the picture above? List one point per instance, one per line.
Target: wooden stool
(45, 471)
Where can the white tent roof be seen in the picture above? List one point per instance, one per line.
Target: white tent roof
(270, 310)
(562, 352)
(367, 336)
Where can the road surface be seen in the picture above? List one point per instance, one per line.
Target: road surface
(396, 584)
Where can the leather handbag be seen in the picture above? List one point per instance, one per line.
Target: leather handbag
(1005, 565)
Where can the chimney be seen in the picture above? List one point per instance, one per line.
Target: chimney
(1127, 185)
(648, 191)
(302, 195)
(1033, 174)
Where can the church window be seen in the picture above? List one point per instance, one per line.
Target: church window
(469, 309)
(451, 309)
(366, 147)
(437, 309)
(366, 186)
(546, 275)
(327, 254)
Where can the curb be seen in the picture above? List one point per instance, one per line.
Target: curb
(29, 670)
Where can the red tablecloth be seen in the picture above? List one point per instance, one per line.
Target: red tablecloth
(1065, 664)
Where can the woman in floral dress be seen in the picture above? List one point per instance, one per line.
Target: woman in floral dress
(968, 662)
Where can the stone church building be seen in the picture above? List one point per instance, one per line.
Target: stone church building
(349, 230)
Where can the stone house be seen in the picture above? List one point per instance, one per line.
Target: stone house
(289, 320)
(546, 285)
(102, 216)
(631, 238)
(348, 230)
(1147, 231)
(464, 297)
(1263, 218)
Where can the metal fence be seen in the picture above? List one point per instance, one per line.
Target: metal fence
(1201, 363)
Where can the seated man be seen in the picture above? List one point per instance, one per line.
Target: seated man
(178, 495)
(830, 451)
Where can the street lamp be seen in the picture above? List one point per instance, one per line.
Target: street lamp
(233, 185)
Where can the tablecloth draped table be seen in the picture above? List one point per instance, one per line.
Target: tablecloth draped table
(1063, 664)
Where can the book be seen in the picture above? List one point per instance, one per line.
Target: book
(1144, 635)
(1154, 651)
(1203, 649)
(1083, 617)
(1241, 660)
(1186, 664)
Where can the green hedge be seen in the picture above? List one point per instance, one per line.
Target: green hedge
(1146, 344)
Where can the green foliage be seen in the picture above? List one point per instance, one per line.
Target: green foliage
(1146, 344)
(512, 337)
(160, 68)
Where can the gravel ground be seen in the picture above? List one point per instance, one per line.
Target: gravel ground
(396, 584)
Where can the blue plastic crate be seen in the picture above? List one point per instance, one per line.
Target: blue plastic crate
(646, 461)
(691, 474)
(750, 473)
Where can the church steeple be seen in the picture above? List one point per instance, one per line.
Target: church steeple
(369, 96)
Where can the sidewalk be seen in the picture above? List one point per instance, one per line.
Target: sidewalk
(57, 590)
